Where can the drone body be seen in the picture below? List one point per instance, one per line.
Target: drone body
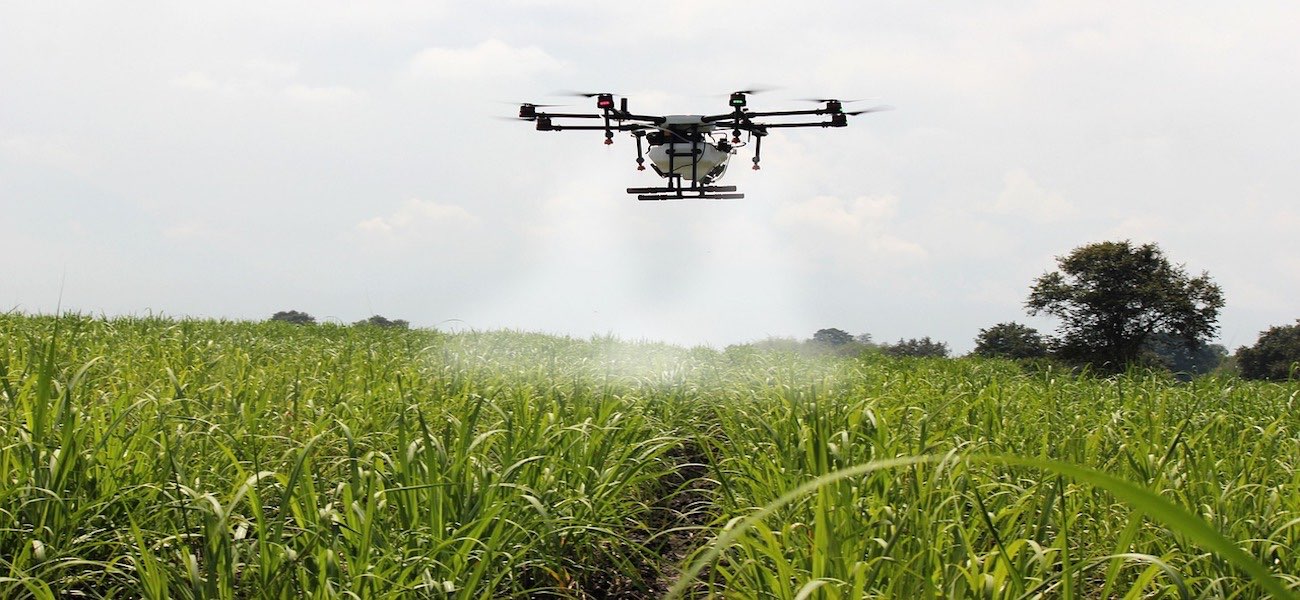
(672, 152)
(690, 151)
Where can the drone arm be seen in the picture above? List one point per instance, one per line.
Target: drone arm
(614, 115)
(837, 120)
(739, 116)
(786, 113)
(567, 116)
(632, 117)
(552, 127)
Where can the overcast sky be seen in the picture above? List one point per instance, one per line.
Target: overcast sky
(232, 159)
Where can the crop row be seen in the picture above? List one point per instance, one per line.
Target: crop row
(202, 459)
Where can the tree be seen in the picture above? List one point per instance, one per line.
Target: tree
(1010, 340)
(295, 317)
(1184, 360)
(832, 337)
(1112, 296)
(924, 347)
(379, 321)
(1275, 355)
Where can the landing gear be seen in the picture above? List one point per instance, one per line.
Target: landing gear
(640, 157)
(675, 191)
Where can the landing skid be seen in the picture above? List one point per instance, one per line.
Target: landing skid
(705, 192)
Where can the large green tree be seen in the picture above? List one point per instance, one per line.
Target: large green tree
(832, 337)
(295, 317)
(1112, 296)
(1010, 340)
(1276, 355)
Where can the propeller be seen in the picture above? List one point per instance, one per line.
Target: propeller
(825, 100)
(528, 104)
(604, 100)
(528, 110)
(584, 94)
(870, 110)
(755, 90)
(737, 99)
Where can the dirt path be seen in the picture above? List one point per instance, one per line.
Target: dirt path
(680, 516)
(674, 528)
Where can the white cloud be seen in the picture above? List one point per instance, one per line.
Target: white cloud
(1024, 197)
(196, 80)
(1254, 296)
(47, 150)
(266, 68)
(417, 217)
(328, 93)
(262, 79)
(197, 231)
(836, 216)
(490, 59)
(1102, 122)
(1139, 228)
(853, 232)
(996, 293)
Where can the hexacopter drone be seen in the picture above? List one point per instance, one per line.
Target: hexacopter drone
(690, 151)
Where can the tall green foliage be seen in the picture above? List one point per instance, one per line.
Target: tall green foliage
(195, 459)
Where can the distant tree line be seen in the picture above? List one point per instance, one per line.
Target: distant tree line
(842, 343)
(1119, 305)
(1010, 340)
(379, 321)
(295, 317)
(918, 348)
(1276, 355)
(301, 318)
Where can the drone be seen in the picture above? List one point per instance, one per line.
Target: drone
(690, 151)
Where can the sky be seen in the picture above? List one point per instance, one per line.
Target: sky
(233, 159)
